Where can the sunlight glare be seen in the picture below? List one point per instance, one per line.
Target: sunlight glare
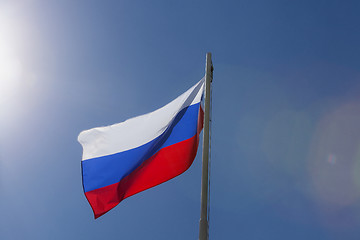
(10, 65)
(10, 73)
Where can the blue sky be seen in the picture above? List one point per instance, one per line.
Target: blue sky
(286, 113)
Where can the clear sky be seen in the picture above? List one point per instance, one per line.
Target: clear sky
(286, 115)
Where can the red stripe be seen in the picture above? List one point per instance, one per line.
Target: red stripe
(166, 164)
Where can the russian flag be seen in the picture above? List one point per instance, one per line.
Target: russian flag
(129, 157)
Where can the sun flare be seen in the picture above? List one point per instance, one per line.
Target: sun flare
(10, 73)
(11, 68)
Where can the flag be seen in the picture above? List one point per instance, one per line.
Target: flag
(129, 157)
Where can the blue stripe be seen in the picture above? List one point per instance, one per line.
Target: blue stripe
(106, 170)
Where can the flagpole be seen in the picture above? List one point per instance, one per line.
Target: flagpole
(204, 225)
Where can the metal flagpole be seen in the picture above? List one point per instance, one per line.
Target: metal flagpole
(204, 225)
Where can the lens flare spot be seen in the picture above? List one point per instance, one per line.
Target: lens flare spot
(337, 132)
(334, 166)
(331, 159)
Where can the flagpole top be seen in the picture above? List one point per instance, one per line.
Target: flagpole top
(209, 65)
(204, 223)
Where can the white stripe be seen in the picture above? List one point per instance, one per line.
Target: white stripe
(137, 131)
